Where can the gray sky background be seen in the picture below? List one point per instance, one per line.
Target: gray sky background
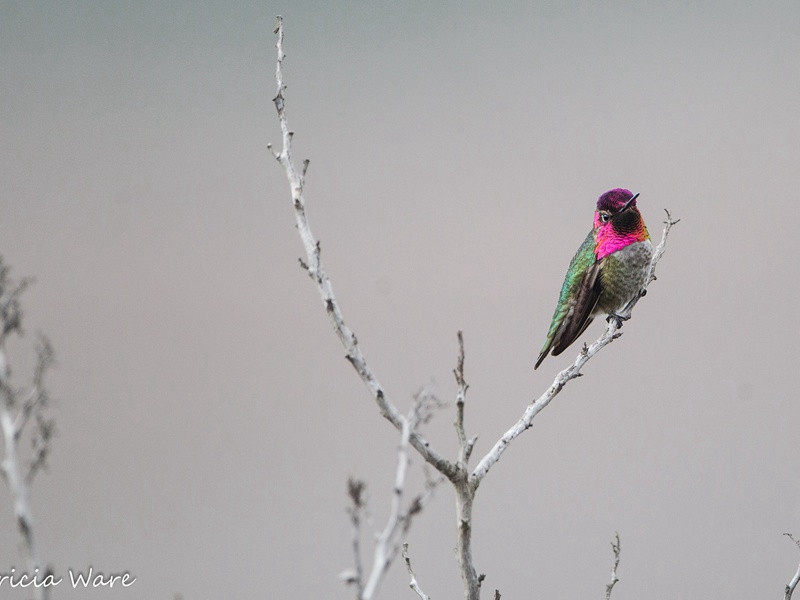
(207, 419)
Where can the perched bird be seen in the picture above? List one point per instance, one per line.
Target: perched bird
(605, 274)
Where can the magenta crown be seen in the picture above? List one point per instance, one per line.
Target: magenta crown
(614, 199)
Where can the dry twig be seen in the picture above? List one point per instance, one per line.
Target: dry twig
(615, 546)
(17, 407)
(401, 514)
(413, 584)
(789, 589)
(465, 482)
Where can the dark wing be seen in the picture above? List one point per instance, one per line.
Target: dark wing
(581, 314)
(577, 300)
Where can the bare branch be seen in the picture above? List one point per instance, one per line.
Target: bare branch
(355, 489)
(789, 589)
(399, 520)
(465, 490)
(464, 482)
(465, 495)
(615, 546)
(413, 583)
(34, 404)
(400, 517)
(45, 429)
(465, 446)
(314, 267)
(10, 311)
(571, 372)
(16, 409)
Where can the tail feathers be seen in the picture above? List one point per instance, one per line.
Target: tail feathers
(542, 354)
(562, 343)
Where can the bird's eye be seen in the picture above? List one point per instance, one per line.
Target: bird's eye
(604, 217)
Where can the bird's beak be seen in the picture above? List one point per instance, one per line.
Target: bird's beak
(628, 203)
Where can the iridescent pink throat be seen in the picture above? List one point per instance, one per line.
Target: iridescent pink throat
(609, 240)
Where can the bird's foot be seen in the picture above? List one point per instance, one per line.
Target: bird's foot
(618, 318)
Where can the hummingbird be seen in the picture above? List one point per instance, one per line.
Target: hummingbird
(607, 271)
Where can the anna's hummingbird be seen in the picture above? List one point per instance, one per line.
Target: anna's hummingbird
(605, 274)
